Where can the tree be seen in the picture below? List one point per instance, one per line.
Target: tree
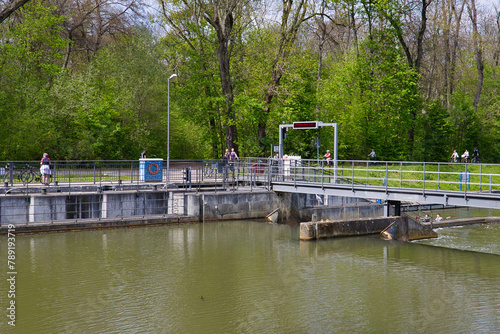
(291, 20)
(222, 17)
(373, 97)
(478, 51)
(93, 24)
(11, 8)
(29, 63)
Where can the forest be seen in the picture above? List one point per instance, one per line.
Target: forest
(94, 79)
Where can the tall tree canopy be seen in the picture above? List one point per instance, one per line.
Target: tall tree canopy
(412, 79)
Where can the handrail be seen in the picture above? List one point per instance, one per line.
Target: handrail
(426, 176)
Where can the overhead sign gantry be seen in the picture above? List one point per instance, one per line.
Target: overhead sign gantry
(308, 125)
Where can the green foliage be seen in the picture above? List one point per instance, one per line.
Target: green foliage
(374, 98)
(487, 121)
(29, 63)
(118, 106)
(433, 131)
(115, 104)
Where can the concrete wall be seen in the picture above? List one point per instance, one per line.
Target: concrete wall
(393, 228)
(38, 208)
(344, 228)
(296, 208)
(232, 205)
(136, 206)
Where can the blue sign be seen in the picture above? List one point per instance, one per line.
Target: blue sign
(151, 170)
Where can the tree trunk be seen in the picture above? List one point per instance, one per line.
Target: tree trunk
(478, 51)
(4, 14)
(288, 32)
(222, 22)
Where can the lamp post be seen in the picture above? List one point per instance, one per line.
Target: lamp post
(168, 129)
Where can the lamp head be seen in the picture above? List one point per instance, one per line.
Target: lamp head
(173, 76)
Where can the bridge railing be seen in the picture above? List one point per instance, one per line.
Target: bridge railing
(414, 175)
(70, 172)
(181, 172)
(263, 171)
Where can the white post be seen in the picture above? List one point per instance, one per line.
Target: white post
(168, 129)
(335, 152)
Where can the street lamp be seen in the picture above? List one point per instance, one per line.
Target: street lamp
(168, 128)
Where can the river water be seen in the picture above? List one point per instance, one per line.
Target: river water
(249, 277)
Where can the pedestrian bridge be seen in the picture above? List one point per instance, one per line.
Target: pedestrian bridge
(457, 184)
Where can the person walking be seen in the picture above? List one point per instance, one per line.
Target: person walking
(372, 157)
(45, 169)
(143, 154)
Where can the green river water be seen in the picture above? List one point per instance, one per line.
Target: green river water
(251, 277)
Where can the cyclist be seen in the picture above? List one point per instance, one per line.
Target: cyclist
(475, 155)
(465, 156)
(454, 156)
(45, 168)
(372, 155)
(328, 157)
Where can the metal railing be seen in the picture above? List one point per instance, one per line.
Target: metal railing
(261, 172)
(460, 177)
(215, 175)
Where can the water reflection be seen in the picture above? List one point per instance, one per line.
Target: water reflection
(254, 277)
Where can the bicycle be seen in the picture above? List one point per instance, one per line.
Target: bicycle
(32, 174)
(212, 170)
(16, 174)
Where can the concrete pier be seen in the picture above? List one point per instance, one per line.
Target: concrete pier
(403, 228)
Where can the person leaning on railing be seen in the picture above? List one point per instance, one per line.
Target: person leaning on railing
(45, 168)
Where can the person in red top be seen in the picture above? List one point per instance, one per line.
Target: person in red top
(328, 157)
(45, 169)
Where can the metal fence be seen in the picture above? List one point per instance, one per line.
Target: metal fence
(211, 175)
(397, 174)
(182, 173)
(261, 172)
